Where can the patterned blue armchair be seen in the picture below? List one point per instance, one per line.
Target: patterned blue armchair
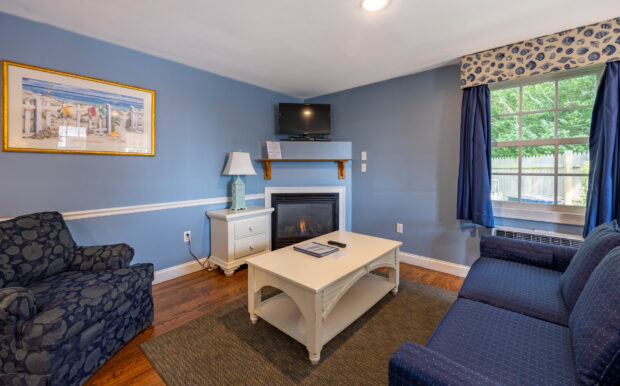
(65, 309)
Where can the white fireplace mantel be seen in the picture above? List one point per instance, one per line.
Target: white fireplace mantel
(341, 190)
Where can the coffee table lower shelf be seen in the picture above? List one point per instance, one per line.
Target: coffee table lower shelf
(282, 312)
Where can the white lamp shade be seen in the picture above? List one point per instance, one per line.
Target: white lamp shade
(239, 164)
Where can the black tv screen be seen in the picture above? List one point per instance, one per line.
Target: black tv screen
(304, 118)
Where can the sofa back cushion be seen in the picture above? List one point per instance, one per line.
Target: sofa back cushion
(595, 325)
(599, 242)
(33, 247)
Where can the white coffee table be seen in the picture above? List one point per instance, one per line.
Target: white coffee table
(322, 296)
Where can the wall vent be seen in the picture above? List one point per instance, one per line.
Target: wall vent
(545, 238)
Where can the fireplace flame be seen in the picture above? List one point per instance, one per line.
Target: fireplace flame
(302, 226)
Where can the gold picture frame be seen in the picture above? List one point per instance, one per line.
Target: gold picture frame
(50, 111)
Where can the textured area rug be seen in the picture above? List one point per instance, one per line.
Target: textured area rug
(225, 348)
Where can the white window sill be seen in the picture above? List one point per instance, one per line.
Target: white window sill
(545, 215)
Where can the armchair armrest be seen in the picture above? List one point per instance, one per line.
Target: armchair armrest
(16, 304)
(554, 257)
(101, 257)
(413, 364)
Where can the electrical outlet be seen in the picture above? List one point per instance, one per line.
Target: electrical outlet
(363, 156)
(363, 167)
(399, 227)
(187, 235)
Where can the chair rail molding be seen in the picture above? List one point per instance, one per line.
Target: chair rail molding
(92, 213)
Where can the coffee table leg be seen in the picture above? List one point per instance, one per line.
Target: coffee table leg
(395, 274)
(253, 318)
(315, 328)
(315, 358)
(254, 296)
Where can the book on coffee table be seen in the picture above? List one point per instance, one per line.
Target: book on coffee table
(315, 249)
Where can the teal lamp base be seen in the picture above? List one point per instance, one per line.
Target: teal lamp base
(238, 194)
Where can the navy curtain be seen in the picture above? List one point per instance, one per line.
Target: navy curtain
(474, 194)
(603, 202)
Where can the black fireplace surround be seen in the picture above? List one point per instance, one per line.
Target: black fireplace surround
(301, 216)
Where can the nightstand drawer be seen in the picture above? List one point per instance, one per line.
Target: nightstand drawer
(250, 245)
(251, 227)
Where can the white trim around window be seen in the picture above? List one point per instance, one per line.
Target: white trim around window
(554, 213)
(571, 215)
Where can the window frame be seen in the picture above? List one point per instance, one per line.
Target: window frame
(556, 213)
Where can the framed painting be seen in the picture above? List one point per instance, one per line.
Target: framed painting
(50, 111)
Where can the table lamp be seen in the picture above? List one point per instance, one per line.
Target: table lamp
(239, 164)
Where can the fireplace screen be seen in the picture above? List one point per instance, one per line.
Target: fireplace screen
(298, 217)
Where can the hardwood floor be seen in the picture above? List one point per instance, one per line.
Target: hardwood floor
(185, 298)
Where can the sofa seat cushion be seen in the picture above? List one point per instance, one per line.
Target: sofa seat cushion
(595, 247)
(507, 347)
(72, 301)
(521, 288)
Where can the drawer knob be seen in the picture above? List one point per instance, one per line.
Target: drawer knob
(251, 227)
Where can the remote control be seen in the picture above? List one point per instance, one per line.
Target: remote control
(337, 244)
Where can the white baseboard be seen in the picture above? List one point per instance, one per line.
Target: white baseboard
(408, 258)
(178, 270)
(434, 264)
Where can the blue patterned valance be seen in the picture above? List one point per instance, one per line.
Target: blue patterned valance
(578, 47)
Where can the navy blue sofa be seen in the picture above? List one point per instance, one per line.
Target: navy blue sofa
(65, 309)
(527, 314)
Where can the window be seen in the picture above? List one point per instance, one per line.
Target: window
(540, 131)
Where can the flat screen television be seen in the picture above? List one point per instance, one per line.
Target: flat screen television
(304, 119)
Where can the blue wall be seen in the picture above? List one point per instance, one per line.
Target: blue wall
(410, 128)
(200, 117)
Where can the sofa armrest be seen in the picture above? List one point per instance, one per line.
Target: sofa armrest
(554, 257)
(101, 257)
(562, 256)
(413, 364)
(16, 304)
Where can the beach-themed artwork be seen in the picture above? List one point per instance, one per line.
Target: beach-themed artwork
(51, 111)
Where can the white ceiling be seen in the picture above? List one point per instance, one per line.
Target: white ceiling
(305, 48)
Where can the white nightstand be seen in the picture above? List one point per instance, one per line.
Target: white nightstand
(237, 235)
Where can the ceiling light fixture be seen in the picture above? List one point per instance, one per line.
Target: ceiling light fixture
(374, 5)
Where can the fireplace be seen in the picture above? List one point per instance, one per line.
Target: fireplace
(301, 216)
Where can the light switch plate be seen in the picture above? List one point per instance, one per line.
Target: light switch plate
(363, 156)
(364, 167)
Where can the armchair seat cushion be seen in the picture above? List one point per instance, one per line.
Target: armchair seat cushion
(521, 288)
(72, 301)
(507, 347)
